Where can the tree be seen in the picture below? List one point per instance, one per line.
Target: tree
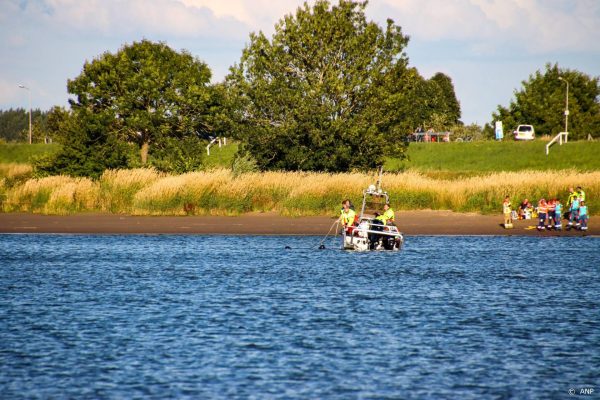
(89, 150)
(57, 123)
(147, 93)
(323, 93)
(14, 125)
(541, 103)
(446, 102)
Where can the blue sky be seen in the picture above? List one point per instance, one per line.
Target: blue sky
(487, 47)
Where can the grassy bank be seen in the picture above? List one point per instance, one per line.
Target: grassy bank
(147, 192)
(23, 153)
(439, 159)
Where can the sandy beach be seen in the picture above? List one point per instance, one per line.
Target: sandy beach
(410, 222)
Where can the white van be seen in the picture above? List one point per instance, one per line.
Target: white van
(524, 132)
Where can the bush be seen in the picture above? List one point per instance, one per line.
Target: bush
(243, 164)
(178, 155)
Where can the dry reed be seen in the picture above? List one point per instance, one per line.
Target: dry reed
(218, 192)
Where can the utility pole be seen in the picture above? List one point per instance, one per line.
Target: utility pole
(566, 104)
(29, 92)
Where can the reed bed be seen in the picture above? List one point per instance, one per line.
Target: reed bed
(15, 170)
(218, 192)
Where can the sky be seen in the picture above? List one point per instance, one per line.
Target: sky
(487, 47)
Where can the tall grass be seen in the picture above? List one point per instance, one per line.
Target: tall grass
(218, 192)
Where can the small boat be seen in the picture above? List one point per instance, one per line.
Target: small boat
(371, 234)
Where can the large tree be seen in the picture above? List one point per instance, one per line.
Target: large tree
(322, 93)
(147, 93)
(446, 103)
(541, 103)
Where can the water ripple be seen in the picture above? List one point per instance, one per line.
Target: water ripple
(160, 316)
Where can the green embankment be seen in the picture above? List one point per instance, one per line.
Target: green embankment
(220, 156)
(443, 160)
(23, 153)
(483, 157)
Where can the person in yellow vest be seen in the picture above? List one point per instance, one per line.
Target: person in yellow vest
(507, 211)
(388, 217)
(347, 216)
(381, 220)
(581, 194)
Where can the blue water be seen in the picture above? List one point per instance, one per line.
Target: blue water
(164, 316)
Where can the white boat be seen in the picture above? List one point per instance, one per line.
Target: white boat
(371, 234)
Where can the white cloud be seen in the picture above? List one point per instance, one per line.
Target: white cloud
(10, 93)
(536, 25)
(116, 17)
(257, 14)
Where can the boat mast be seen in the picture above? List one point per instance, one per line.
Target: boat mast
(378, 185)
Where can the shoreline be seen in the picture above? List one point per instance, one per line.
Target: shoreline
(412, 223)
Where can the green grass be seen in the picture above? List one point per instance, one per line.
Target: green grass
(221, 157)
(446, 159)
(438, 160)
(23, 153)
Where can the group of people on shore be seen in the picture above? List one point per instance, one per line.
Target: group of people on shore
(549, 213)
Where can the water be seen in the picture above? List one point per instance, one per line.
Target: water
(241, 317)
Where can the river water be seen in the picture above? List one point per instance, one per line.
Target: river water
(167, 316)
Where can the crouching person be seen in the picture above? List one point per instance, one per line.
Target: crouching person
(387, 218)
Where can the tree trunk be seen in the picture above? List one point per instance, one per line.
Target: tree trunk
(144, 152)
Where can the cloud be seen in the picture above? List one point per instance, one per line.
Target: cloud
(10, 93)
(112, 18)
(537, 26)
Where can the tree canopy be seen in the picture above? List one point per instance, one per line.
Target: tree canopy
(146, 93)
(321, 94)
(541, 103)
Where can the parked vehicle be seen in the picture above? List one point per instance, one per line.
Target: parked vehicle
(524, 132)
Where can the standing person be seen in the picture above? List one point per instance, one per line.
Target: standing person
(542, 213)
(583, 216)
(581, 194)
(558, 215)
(347, 216)
(507, 210)
(572, 196)
(551, 213)
(574, 214)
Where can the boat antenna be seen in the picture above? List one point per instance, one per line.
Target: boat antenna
(379, 178)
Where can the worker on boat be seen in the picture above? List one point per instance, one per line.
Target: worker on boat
(388, 217)
(381, 220)
(347, 216)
